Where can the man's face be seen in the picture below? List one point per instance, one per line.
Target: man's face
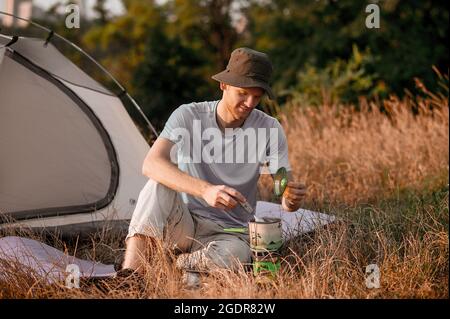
(240, 101)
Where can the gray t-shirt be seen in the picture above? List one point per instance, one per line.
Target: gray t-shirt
(234, 158)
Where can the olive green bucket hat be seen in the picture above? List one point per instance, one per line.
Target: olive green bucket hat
(247, 68)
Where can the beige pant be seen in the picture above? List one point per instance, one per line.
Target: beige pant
(161, 213)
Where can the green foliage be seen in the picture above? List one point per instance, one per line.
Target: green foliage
(321, 50)
(120, 44)
(413, 36)
(340, 81)
(205, 25)
(168, 76)
(165, 54)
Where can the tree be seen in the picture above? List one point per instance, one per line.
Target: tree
(101, 11)
(206, 25)
(411, 39)
(120, 44)
(168, 76)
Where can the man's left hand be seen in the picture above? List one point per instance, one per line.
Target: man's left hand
(293, 195)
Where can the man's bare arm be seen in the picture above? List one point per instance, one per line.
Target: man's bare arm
(158, 166)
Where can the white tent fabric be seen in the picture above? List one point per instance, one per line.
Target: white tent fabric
(45, 262)
(52, 154)
(50, 59)
(70, 153)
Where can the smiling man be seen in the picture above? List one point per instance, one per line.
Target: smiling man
(203, 169)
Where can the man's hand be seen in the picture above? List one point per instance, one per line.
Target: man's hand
(221, 196)
(293, 195)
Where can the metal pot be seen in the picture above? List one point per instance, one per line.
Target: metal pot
(265, 235)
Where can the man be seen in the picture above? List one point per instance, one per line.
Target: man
(189, 204)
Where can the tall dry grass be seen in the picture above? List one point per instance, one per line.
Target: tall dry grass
(348, 156)
(384, 175)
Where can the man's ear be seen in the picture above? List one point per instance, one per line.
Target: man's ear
(223, 86)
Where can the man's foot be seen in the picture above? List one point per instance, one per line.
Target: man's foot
(195, 262)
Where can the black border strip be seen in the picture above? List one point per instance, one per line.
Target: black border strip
(114, 181)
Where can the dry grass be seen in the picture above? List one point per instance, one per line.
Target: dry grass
(385, 175)
(353, 157)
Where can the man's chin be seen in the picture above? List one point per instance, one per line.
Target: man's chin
(242, 115)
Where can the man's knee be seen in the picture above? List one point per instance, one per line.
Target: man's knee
(161, 213)
(155, 204)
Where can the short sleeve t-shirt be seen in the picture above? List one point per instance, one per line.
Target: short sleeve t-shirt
(234, 157)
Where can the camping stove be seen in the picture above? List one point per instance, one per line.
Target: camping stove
(265, 243)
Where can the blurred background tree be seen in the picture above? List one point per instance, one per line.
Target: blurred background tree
(165, 51)
(120, 43)
(166, 59)
(413, 36)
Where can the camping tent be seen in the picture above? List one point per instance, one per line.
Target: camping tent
(70, 155)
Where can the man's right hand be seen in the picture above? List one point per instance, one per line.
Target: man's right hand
(221, 196)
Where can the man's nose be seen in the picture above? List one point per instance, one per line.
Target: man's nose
(251, 102)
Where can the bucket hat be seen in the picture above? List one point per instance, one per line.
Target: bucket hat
(247, 68)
